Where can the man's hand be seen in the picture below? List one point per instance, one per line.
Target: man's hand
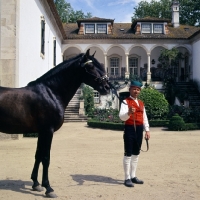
(147, 135)
(131, 110)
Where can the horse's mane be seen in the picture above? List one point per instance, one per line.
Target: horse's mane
(56, 70)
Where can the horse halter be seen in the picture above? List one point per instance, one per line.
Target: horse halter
(99, 79)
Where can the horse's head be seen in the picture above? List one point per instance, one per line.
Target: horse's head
(94, 74)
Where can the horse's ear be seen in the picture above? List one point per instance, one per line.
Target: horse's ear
(87, 53)
(93, 54)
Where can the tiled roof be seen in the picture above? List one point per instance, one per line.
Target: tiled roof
(182, 32)
(150, 19)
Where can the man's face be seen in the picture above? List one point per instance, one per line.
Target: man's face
(134, 91)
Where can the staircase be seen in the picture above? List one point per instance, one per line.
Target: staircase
(191, 91)
(72, 110)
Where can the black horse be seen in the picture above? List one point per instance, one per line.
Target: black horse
(39, 107)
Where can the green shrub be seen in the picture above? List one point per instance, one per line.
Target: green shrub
(176, 123)
(155, 103)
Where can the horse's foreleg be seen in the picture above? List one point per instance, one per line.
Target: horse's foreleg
(34, 176)
(46, 147)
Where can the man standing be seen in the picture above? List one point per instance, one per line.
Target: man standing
(133, 112)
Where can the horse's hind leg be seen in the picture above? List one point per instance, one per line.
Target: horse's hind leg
(34, 176)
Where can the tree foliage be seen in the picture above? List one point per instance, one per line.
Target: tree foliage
(88, 97)
(68, 14)
(155, 103)
(168, 56)
(189, 10)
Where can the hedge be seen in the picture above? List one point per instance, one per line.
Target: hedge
(120, 126)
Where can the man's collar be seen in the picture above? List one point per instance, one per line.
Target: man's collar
(133, 98)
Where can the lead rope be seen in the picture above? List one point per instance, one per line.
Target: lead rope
(147, 143)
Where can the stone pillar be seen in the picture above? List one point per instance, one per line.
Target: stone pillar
(105, 62)
(127, 73)
(148, 69)
(81, 108)
(9, 24)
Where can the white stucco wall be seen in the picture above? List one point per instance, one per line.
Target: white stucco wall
(196, 60)
(30, 64)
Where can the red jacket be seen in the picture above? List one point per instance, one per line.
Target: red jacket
(138, 114)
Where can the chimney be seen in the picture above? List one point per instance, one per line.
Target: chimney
(175, 14)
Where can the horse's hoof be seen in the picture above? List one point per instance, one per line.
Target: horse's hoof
(38, 188)
(51, 195)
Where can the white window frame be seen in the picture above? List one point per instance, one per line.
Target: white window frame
(101, 28)
(114, 69)
(145, 29)
(96, 97)
(89, 28)
(159, 30)
(134, 68)
(54, 51)
(42, 48)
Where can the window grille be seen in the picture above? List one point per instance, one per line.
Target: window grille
(133, 65)
(96, 97)
(89, 28)
(114, 66)
(158, 28)
(101, 28)
(146, 28)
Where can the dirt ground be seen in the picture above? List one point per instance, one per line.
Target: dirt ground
(86, 164)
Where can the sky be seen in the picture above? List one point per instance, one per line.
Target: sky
(119, 10)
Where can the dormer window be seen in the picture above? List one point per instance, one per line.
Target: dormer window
(146, 28)
(89, 28)
(101, 28)
(158, 28)
(152, 28)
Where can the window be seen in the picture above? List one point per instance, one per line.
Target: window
(101, 28)
(146, 28)
(114, 66)
(158, 28)
(89, 28)
(42, 36)
(54, 51)
(133, 65)
(96, 97)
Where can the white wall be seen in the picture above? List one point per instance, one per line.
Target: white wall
(196, 60)
(31, 65)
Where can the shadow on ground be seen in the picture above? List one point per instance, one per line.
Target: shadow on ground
(18, 186)
(80, 179)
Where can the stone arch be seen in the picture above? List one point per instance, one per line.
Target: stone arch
(116, 54)
(71, 52)
(94, 46)
(65, 47)
(116, 45)
(155, 46)
(138, 45)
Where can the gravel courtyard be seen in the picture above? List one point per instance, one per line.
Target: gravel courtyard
(86, 164)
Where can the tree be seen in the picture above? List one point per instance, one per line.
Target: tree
(67, 13)
(189, 10)
(75, 15)
(88, 96)
(64, 9)
(168, 56)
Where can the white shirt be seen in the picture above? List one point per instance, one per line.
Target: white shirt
(123, 113)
